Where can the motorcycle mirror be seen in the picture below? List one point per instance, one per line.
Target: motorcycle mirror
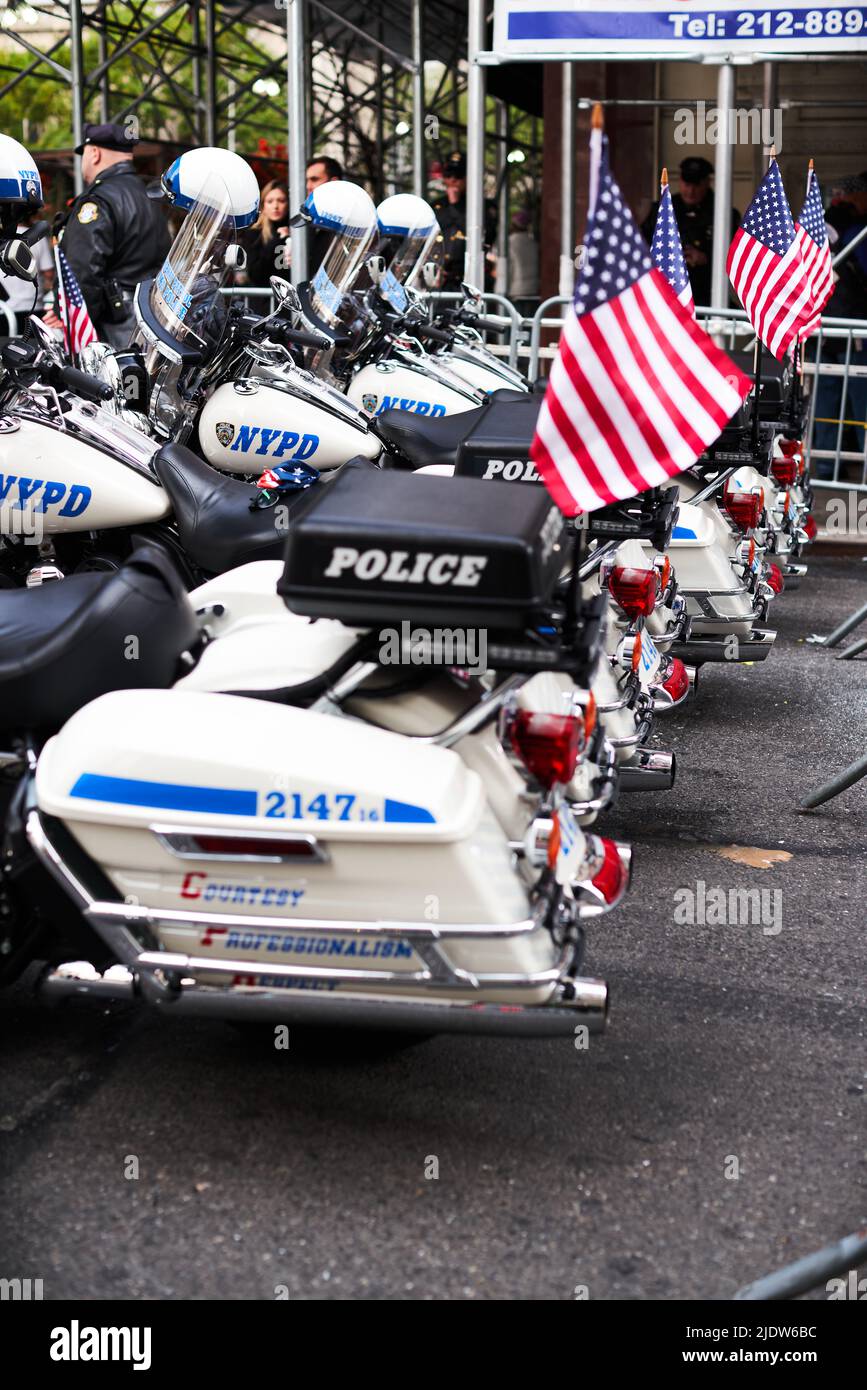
(17, 259)
(235, 257)
(285, 294)
(430, 274)
(471, 291)
(375, 266)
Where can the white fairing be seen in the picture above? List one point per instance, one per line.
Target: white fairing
(53, 482)
(702, 565)
(247, 431)
(395, 386)
(393, 822)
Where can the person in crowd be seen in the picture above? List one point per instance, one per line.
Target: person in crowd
(847, 216)
(451, 211)
(268, 244)
(523, 263)
(113, 235)
(22, 298)
(694, 210)
(321, 168)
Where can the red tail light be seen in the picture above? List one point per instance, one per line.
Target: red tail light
(785, 470)
(548, 745)
(633, 589)
(677, 680)
(744, 508)
(774, 578)
(789, 448)
(809, 525)
(612, 877)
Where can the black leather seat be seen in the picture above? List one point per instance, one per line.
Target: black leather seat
(216, 526)
(423, 440)
(68, 641)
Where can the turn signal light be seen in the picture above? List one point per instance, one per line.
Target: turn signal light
(590, 716)
(677, 680)
(636, 651)
(744, 508)
(548, 745)
(785, 470)
(633, 589)
(774, 578)
(809, 525)
(611, 879)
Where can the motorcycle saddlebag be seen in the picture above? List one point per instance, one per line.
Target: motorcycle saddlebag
(498, 448)
(376, 547)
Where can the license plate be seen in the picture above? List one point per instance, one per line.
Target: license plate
(650, 659)
(571, 854)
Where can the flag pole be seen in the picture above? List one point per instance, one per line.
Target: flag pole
(757, 359)
(573, 599)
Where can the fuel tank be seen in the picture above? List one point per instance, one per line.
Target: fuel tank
(89, 473)
(248, 425)
(391, 385)
(482, 370)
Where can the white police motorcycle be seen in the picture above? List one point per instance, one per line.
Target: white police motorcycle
(264, 858)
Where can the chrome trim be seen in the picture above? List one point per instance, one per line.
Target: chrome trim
(576, 1001)
(180, 841)
(649, 769)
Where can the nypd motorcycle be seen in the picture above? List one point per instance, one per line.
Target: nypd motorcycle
(259, 855)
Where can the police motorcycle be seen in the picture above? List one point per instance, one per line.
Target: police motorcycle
(257, 856)
(80, 480)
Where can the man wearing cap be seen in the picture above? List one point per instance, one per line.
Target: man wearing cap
(451, 211)
(693, 209)
(114, 235)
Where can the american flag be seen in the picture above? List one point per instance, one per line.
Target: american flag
(812, 236)
(638, 390)
(666, 250)
(78, 329)
(765, 267)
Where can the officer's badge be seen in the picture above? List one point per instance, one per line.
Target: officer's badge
(88, 212)
(368, 402)
(225, 432)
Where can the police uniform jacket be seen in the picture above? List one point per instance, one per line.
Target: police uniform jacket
(114, 231)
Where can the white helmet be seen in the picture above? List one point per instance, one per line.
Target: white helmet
(19, 177)
(340, 206)
(403, 214)
(193, 176)
(408, 225)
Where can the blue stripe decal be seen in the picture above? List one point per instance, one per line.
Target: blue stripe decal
(683, 533)
(168, 796)
(404, 811)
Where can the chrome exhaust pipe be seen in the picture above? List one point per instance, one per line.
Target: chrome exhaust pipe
(648, 770)
(692, 673)
(576, 1001)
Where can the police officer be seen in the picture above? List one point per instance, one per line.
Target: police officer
(693, 209)
(114, 235)
(451, 211)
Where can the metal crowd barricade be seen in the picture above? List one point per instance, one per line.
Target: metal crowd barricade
(511, 319)
(11, 328)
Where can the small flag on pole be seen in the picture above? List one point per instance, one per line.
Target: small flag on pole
(666, 250)
(765, 267)
(78, 329)
(637, 390)
(812, 235)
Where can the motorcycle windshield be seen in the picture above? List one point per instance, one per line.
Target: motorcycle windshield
(185, 295)
(411, 254)
(331, 289)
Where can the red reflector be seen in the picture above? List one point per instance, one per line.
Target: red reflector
(809, 525)
(785, 470)
(744, 508)
(677, 680)
(547, 744)
(233, 845)
(611, 878)
(790, 447)
(774, 578)
(633, 589)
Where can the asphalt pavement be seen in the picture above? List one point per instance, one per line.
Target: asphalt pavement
(715, 1132)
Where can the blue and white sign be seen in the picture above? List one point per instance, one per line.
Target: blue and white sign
(574, 29)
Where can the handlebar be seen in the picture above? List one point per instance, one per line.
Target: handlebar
(281, 332)
(427, 330)
(486, 325)
(82, 383)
